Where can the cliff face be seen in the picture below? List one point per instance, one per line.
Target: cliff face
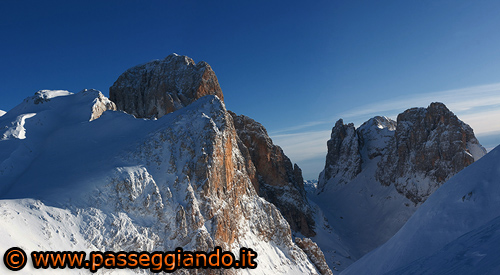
(376, 176)
(163, 86)
(276, 179)
(160, 87)
(315, 254)
(419, 152)
(219, 204)
(430, 145)
(343, 160)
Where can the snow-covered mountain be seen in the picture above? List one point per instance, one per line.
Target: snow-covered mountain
(73, 177)
(376, 176)
(159, 87)
(456, 231)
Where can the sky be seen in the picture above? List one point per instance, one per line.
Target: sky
(294, 66)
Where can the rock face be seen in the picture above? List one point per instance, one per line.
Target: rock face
(315, 254)
(343, 160)
(430, 145)
(378, 175)
(375, 136)
(348, 146)
(276, 179)
(101, 103)
(419, 152)
(163, 86)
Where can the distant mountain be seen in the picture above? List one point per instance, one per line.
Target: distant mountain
(456, 230)
(376, 176)
(311, 186)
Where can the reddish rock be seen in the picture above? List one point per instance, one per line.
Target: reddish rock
(160, 87)
(315, 254)
(276, 180)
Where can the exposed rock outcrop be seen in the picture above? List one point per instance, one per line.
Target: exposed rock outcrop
(343, 160)
(419, 152)
(163, 86)
(430, 146)
(378, 175)
(315, 254)
(277, 180)
(160, 87)
(208, 199)
(375, 136)
(100, 104)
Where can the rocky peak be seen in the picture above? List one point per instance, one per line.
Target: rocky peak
(100, 104)
(245, 155)
(276, 179)
(430, 145)
(374, 136)
(160, 87)
(343, 160)
(419, 152)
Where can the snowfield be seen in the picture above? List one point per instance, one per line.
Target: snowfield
(455, 231)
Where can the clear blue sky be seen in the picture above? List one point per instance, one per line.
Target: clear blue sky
(294, 66)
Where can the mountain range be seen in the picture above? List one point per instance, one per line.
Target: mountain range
(163, 164)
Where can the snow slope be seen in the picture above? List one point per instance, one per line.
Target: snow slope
(453, 224)
(379, 213)
(473, 253)
(2, 112)
(74, 182)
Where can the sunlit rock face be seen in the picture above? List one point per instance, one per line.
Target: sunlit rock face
(163, 86)
(160, 87)
(315, 254)
(277, 180)
(216, 178)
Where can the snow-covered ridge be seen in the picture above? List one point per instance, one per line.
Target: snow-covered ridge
(121, 183)
(17, 129)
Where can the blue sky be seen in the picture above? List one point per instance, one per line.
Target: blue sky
(294, 66)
